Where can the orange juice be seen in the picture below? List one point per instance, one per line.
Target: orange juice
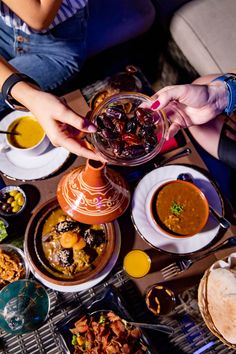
(137, 263)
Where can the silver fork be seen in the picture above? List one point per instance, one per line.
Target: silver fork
(180, 266)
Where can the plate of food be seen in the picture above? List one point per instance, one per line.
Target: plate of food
(147, 228)
(67, 255)
(26, 168)
(217, 299)
(13, 264)
(102, 325)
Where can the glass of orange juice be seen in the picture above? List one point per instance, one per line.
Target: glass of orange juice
(137, 263)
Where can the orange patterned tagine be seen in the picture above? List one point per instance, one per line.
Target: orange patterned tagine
(93, 193)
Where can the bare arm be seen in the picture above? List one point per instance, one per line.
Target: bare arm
(5, 71)
(38, 14)
(62, 125)
(192, 104)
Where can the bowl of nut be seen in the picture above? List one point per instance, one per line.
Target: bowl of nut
(127, 132)
(12, 200)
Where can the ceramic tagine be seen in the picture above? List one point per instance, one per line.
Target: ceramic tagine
(93, 193)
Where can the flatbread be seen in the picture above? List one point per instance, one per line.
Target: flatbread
(221, 300)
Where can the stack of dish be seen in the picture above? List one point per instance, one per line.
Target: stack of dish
(217, 300)
(67, 255)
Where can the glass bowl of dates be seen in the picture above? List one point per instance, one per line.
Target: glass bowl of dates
(12, 200)
(127, 133)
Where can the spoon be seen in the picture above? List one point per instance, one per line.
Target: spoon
(10, 133)
(178, 155)
(154, 326)
(220, 218)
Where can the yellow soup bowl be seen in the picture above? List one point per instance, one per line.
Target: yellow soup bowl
(28, 136)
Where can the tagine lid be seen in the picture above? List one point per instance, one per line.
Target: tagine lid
(93, 193)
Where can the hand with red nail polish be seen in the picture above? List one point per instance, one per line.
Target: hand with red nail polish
(191, 104)
(155, 105)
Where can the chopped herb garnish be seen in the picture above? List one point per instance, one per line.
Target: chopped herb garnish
(102, 319)
(74, 340)
(176, 208)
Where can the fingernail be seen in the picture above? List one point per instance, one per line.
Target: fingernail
(92, 129)
(155, 105)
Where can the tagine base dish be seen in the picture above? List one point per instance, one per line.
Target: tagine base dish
(98, 279)
(54, 277)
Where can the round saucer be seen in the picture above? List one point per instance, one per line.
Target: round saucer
(100, 277)
(147, 229)
(18, 166)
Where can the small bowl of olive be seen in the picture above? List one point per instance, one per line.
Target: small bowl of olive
(12, 200)
(127, 132)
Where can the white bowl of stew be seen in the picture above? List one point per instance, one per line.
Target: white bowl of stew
(177, 208)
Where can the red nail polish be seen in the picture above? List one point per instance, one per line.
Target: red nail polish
(155, 105)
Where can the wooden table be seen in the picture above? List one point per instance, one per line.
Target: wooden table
(42, 190)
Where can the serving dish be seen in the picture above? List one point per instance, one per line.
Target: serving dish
(108, 299)
(148, 230)
(126, 133)
(216, 299)
(12, 200)
(13, 264)
(42, 266)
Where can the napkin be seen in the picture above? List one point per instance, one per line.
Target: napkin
(169, 145)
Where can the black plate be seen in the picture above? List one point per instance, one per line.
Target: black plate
(109, 299)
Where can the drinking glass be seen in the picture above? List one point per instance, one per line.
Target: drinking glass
(160, 300)
(137, 263)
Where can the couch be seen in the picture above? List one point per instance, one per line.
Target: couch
(203, 31)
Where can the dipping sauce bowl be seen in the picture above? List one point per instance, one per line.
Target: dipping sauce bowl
(160, 300)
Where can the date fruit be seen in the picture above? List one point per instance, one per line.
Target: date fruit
(126, 134)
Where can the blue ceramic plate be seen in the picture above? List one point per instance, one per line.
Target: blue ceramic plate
(109, 299)
(24, 306)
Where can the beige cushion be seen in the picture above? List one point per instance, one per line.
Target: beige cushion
(205, 31)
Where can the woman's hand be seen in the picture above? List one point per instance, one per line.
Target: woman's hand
(187, 105)
(63, 126)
